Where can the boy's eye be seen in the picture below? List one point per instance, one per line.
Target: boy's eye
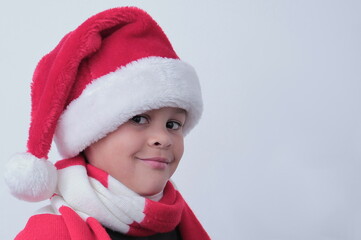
(173, 125)
(139, 119)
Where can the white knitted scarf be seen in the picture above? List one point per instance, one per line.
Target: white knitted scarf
(91, 192)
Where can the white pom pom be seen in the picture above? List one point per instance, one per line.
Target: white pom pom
(30, 178)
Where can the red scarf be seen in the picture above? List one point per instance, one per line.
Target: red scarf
(88, 198)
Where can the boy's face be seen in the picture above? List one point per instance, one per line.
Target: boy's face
(144, 152)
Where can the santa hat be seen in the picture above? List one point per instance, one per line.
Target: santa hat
(117, 64)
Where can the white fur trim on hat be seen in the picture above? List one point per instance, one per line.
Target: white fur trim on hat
(109, 101)
(30, 178)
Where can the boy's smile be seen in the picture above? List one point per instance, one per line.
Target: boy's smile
(144, 152)
(156, 162)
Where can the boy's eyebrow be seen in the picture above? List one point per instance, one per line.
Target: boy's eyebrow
(180, 110)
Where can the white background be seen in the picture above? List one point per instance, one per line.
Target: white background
(277, 153)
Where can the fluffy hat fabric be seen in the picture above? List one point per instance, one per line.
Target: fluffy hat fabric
(115, 65)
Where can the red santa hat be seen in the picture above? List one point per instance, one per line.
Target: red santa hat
(117, 64)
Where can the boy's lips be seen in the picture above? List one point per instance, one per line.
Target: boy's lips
(156, 159)
(156, 162)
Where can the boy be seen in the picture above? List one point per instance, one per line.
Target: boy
(118, 101)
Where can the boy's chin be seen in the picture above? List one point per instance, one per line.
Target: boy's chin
(150, 188)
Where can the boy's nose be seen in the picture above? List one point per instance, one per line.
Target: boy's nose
(160, 139)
